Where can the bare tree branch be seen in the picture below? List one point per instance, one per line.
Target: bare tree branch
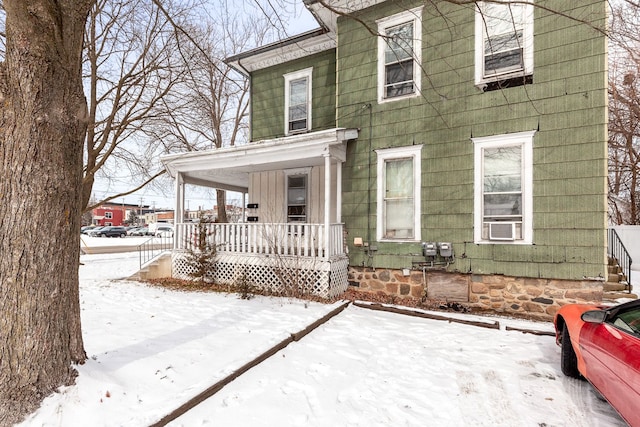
(94, 205)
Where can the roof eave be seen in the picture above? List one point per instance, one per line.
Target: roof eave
(299, 46)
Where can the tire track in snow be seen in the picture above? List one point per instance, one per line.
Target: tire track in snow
(501, 409)
(471, 407)
(587, 403)
(494, 409)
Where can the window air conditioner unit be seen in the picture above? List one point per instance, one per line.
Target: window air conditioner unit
(502, 230)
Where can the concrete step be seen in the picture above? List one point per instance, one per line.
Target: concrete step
(158, 268)
(613, 296)
(615, 287)
(613, 278)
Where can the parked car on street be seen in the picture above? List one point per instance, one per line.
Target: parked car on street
(142, 231)
(93, 231)
(602, 344)
(110, 231)
(85, 229)
(132, 230)
(164, 231)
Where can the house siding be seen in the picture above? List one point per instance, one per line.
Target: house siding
(565, 105)
(268, 190)
(267, 95)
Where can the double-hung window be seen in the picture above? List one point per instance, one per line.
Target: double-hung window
(399, 55)
(297, 88)
(504, 41)
(503, 188)
(297, 184)
(398, 172)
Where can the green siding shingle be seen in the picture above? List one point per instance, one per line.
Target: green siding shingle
(566, 105)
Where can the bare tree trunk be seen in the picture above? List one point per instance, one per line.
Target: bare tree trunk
(221, 201)
(42, 129)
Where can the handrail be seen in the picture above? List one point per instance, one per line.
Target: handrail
(617, 250)
(153, 247)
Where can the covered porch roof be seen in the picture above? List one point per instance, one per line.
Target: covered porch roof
(229, 168)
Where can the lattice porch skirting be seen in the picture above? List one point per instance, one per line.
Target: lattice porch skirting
(325, 278)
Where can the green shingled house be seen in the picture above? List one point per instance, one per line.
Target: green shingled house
(418, 148)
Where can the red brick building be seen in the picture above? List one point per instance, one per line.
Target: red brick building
(116, 213)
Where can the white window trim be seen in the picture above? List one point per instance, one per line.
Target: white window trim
(413, 151)
(306, 73)
(414, 15)
(480, 79)
(524, 139)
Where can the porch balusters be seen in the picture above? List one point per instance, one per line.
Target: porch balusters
(305, 240)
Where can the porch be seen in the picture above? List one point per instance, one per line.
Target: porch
(282, 258)
(290, 235)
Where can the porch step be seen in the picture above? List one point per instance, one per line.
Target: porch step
(615, 287)
(615, 278)
(614, 296)
(156, 269)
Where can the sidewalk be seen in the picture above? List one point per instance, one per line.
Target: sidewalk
(107, 245)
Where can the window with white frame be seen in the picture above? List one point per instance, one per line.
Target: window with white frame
(503, 188)
(297, 87)
(399, 55)
(297, 182)
(398, 196)
(108, 215)
(504, 41)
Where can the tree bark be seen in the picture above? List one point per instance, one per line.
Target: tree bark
(221, 201)
(42, 129)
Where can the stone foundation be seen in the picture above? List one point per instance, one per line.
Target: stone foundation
(537, 298)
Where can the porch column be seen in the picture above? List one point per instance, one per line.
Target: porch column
(244, 207)
(327, 205)
(179, 210)
(339, 192)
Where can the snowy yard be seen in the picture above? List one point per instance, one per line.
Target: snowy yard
(151, 350)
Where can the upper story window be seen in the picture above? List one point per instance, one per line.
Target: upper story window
(108, 215)
(504, 41)
(399, 188)
(297, 87)
(503, 188)
(399, 55)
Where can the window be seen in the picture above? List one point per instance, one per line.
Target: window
(503, 188)
(108, 215)
(399, 55)
(297, 185)
(399, 193)
(297, 101)
(504, 41)
(627, 320)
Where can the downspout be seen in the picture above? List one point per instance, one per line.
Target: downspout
(369, 176)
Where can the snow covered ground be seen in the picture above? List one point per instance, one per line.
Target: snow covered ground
(151, 350)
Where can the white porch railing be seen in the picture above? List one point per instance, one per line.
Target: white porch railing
(305, 240)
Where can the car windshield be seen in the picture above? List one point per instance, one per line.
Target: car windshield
(628, 320)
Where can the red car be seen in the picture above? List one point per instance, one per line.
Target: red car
(602, 344)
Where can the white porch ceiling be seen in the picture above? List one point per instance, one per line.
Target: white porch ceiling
(229, 168)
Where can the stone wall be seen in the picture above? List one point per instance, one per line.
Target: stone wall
(536, 298)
